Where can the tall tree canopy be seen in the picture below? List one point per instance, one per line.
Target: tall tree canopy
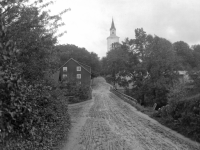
(196, 54)
(65, 52)
(29, 115)
(147, 62)
(117, 60)
(184, 55)
(161, 70)
(33, 31)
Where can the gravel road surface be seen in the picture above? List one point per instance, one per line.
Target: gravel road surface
(108, 123)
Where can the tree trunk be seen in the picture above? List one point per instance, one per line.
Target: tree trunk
(142, 99)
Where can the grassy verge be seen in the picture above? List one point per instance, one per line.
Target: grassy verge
(166, 121)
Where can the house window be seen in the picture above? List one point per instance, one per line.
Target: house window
(78, 68)
(78, 76)
(64, 69)
(64, 76)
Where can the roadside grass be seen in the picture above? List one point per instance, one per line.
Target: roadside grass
(168, 122)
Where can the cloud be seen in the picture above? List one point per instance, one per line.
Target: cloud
(89, 21)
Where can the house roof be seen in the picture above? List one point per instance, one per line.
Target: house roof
(84, 65)
(182, 72)
(81, 64)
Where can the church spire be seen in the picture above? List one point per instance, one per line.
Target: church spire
(112, 38)
(112, 25)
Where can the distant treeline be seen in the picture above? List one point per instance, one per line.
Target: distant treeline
(151, 63)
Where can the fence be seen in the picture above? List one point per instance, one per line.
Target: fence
(131, 100)
(123, 96)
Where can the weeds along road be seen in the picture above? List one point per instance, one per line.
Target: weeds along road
(108, 123)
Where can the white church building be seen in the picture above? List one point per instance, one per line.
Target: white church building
(112, 38)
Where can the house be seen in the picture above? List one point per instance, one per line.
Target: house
(128, 86)
(74, 71)
(184, 77)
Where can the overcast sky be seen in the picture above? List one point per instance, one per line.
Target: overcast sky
(89, 21)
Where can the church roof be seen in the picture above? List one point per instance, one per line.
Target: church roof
(112, 25)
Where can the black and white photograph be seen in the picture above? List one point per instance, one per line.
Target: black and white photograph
(99, 75)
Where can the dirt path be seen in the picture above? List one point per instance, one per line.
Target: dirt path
(108, 123)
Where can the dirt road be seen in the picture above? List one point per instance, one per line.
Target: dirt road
(108, 123)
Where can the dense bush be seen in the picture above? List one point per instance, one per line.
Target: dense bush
(33, 115)
(109, 79)
(176, 93)
(187, 112)
(182, 114)
(76, 92)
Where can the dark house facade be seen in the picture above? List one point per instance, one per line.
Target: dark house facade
(75, 71)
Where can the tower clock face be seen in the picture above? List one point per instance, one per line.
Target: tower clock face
(113, 32)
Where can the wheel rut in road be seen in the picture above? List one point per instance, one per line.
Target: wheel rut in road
(112, 124)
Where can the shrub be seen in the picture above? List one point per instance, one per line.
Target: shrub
(109, 79)
(76, 92)
(190, 116)
(182, 115)
(83, 92)
(30, 118)
(176, 93)
(33, 117)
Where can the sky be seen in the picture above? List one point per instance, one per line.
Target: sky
(89, 21)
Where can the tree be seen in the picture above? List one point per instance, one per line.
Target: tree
(116, 62)
(28, 110)
(104, 64)
(65, 52)
(33, 31)
(160, 66)
(184, 55)
(196, 48)
(95, 64)
(148, 61)
(140, 43)
(137, 60)
(152, 68)
(196, 54)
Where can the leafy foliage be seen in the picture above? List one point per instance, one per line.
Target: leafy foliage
(160, 67)
(184, 116)
(117, 65)
(33, 115)
(147, 62)
(181, 113)
(76, 92)
(65, 52)
(33, 31)
(184, 55)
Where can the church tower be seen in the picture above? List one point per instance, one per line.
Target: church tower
(112, 38)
